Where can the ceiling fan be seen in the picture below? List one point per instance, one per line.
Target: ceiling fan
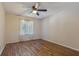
(35, 9)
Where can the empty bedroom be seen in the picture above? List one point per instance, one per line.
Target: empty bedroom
(39, 28)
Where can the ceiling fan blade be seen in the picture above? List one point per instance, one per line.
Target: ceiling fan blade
(35, 6)
(37, 13)
(42, 10)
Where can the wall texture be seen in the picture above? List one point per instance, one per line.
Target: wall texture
(2, 28)
(63, 28)
(13, 28)
(36, 29)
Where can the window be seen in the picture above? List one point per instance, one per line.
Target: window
(26, 27)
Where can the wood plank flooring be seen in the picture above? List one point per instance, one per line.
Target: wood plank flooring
(37, 47)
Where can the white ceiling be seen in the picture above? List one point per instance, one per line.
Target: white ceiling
(23, 8)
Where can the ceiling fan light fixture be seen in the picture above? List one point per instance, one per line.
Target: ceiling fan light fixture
(34, 11)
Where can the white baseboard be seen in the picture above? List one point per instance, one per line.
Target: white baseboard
(1, 49)
(69, 47)
(64, 45)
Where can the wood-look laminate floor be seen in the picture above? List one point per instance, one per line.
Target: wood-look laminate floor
(37, 48)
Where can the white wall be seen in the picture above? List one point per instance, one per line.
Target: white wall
(63, 27)
(2, 28)
(36, 29)
(13, 28)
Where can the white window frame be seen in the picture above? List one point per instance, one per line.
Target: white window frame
(28, 23)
